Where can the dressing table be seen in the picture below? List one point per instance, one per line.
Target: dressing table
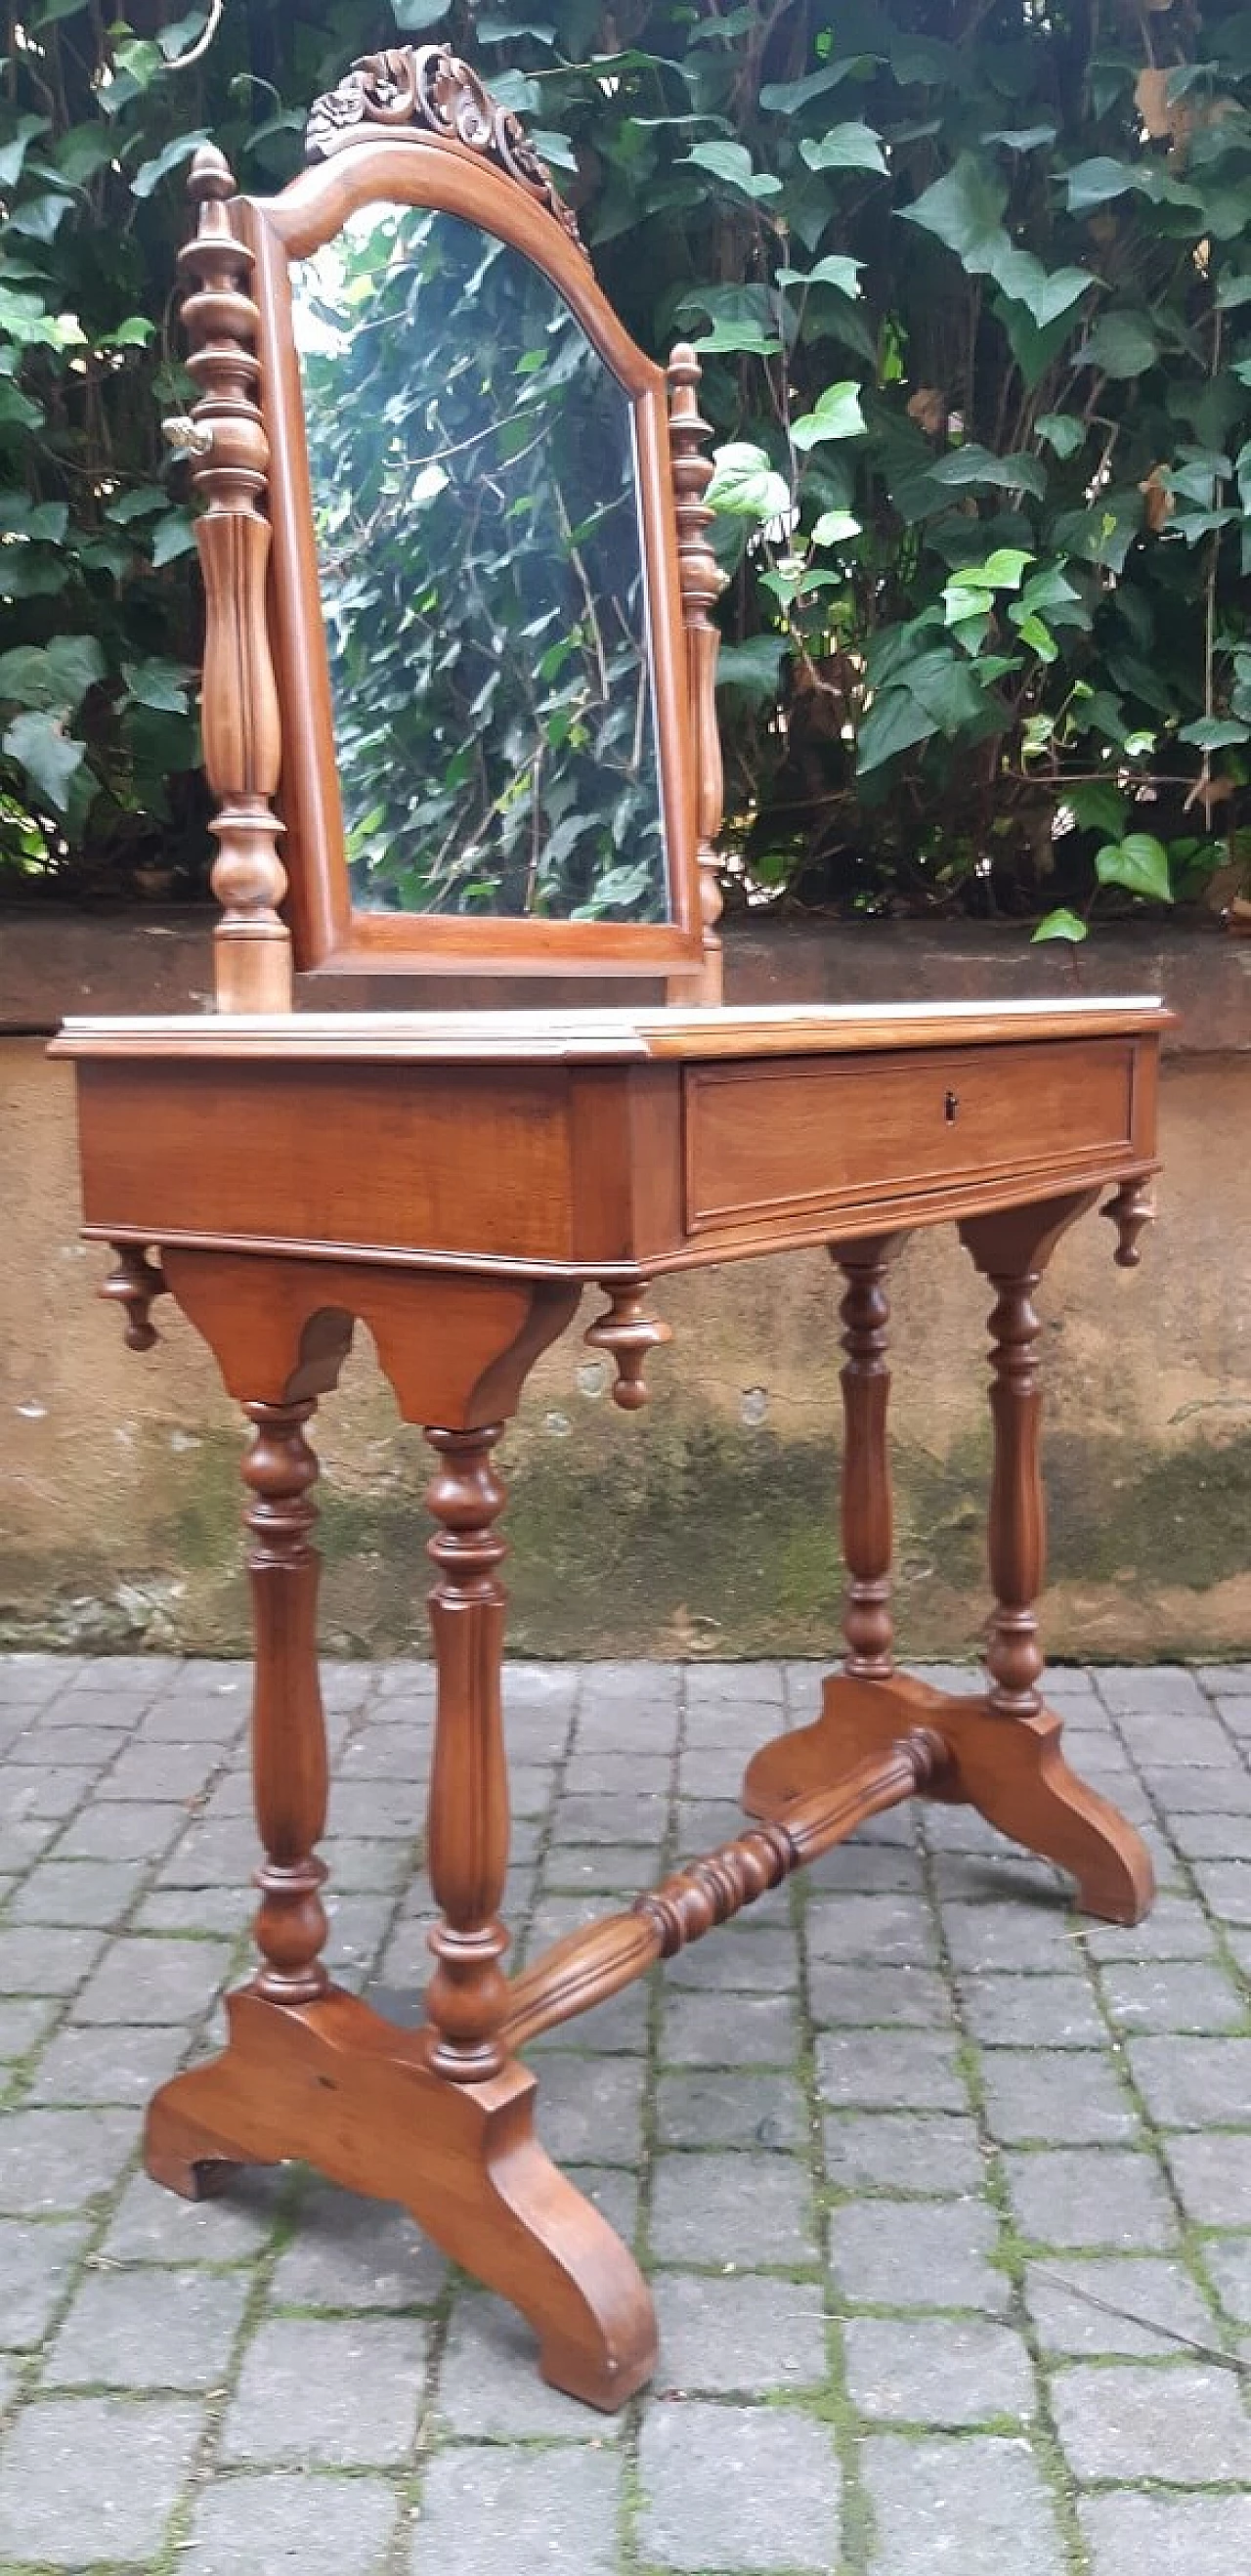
(459, 719)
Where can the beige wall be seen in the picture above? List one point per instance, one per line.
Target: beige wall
(703, 1526)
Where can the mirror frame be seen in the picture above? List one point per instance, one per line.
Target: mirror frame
(510, 197)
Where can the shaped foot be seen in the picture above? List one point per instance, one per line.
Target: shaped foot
(1011, 1769)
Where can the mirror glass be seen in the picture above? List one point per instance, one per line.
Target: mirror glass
(473, 485)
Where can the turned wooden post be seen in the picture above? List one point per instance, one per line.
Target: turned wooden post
(701, 582)
(1012, 1251)
(466, 1999)
(289, 1768)
(866, 1488)
(242, 738)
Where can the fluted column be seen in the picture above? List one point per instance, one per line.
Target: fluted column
(468, 1812)
(289, 1768)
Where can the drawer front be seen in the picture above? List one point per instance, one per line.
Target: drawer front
(768, 1142)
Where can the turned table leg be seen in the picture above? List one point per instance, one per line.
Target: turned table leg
(468, 1811)
(1002, 1751)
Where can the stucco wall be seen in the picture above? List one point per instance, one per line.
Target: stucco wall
(705, 1525)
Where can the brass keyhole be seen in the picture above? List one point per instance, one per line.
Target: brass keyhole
(951, 1107)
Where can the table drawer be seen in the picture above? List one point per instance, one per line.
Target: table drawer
(764, 1141)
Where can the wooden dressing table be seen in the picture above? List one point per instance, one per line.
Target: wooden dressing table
(454, 1179)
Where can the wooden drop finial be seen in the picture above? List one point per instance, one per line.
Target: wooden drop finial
(1131, 1212)
(701, 581)
(134, 1285)
(242, 742)
(628, 1333)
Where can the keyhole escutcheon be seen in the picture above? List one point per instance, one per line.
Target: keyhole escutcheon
(951, 1107)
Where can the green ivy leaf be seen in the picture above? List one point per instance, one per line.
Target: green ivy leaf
(1214, 733)
(58, 674)
(1064, 434)
(974, 465)
(836, 528)
(745, 485)
(1060, 924)
(895, 722)
(13, 153)
(754, 668)
(1121, 344)
(150, 173)
(158, 683)
(741, 339)
(1139, 863)
(785, 98)
(964, 210)
(845, 147)
(732, 164)
(1096, 182)
(836, 414)
(833, 270)
(47, 754)
(172, 536)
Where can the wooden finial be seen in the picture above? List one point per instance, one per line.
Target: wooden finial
(134, 1285)
(701, 581)
(628, 1334)
(242, 741)
(1131, 1212)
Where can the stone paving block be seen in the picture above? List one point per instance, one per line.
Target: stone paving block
(35, 1961)
(223, 1910)
(960, 2508)
(1203, 1793)
(1206, 1837)
(151, 2225)
(1226, 1886)
(137, 1677)
(614, 2193)
(1224, 1677)
(1187, 2083)
(738, 2337)
(942, 2371)
(500, 2511)
(1212, 2175)
(590, 2108)
(56, 2160)
(727, 2108)
(1033, 2012)
(1002, 1935)
(756, 1956)
(1172, 1995)
(1176, 1928)
(887, 1930)
(1148, 2293)
(731, 2208)
(932, 2152)
(169, 1772)
(489, 2384)
(86, 2478)
(1234, 1712)
(868, 1869)
(611, 1870)
(592, 1772)
(144, 1978)
(116, 1710)
(1160, 1741)
(1228, 2261)
(273, 2520)
(365, 1867)
(728, 1685)
(349, 2252)
(1059, 2097)
(23, 1839)
(886, 2253)
(728, 2030)
(342, 2391)
(741, 2487)
(24, 2021)
(639, 1818)
(149, 2329)
(52, 1791)
(94, 1893)
(1090, 2196)
(907, 2070)
(121, 1832)
(867, 1998)
(86, 1747)
(1140, 2535)
(33, 1677)
(37, 2264)
(1183, 2423)
(1143, 1690)
(107, 2065)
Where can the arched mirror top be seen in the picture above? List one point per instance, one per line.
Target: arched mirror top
(474, 601)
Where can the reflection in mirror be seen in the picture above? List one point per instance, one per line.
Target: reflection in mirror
(473, 483)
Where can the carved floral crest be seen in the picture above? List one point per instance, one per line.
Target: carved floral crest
(429, 85)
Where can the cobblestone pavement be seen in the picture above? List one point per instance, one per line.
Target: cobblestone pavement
(946, 2199)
